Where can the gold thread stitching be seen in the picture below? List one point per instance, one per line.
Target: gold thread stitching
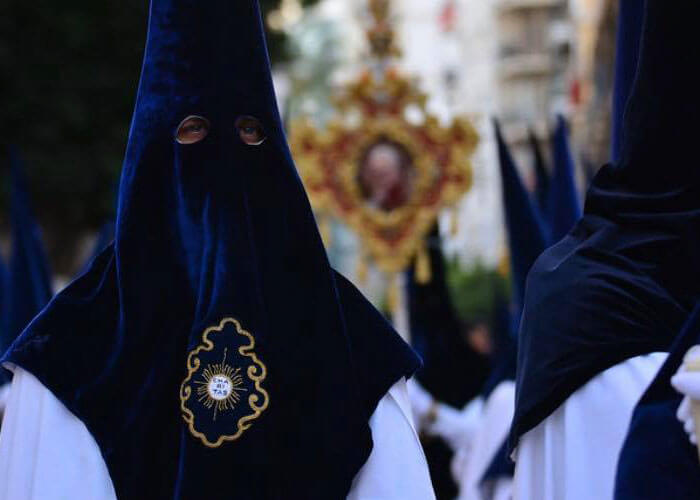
(193, 364)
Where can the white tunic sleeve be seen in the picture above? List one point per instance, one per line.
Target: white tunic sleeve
(46, 453)
(396, 469)
(572, 454)
(456, 427)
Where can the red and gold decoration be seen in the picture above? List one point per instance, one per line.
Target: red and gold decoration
(384, 165)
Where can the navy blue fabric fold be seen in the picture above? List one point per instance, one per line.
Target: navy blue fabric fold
(211, 350)
(657, 459)
(500, 467)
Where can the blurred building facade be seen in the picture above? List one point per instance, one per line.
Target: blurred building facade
(533, 59)
(596, 26)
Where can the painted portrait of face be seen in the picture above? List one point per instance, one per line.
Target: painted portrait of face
(385, 176)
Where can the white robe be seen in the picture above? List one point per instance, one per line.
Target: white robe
(494, 425)
(46, 453)
(572, 454)
(455, 427)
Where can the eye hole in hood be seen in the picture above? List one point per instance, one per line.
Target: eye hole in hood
(192, 129)
(250, 130)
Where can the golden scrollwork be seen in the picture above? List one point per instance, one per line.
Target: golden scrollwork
(329, 160)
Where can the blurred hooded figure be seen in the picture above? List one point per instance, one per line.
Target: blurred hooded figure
(485, 471)
(542, 177)
(604, 305)
(210, 351)
(563, 205)
(455, 367)
(26, 284)
(478, 432)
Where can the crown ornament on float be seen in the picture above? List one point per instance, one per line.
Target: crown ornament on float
(384, 165)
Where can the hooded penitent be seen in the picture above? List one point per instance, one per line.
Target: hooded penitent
(658, 460)
(27, 285)
(211, 350)
(452, 371)
(563, 205)
(526, 232)
(623, 281)
(542, 180)
(526, 241)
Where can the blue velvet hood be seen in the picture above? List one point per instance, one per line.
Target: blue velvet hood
(211, 350)
(563, 204)
(623, 281)
(526, 241)
(453, 372)
(524, 227)
(542, 179)
(526, 234)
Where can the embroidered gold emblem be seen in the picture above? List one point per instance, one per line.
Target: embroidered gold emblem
(221, 387)
(226, 377)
